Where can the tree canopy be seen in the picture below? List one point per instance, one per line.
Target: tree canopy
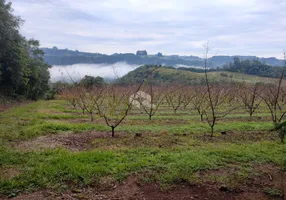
(91, 81)
(22, 69)
(252, 67)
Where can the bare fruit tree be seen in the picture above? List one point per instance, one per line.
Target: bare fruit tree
(151, 104)
(274, 96)
(198, 100)
(70, 95)
(89, 100)
(176, 97)
(113, 102)
(81, 98)
(219, 102)
(188, 96)
(249, 96)
(113, 105)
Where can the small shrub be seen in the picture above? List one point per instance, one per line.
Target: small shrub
(281, 127)
(273, 192)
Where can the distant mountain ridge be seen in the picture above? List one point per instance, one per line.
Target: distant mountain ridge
(55, 56)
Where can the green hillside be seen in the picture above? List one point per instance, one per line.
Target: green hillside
(165, 75)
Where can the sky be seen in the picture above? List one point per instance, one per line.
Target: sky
(181, 27)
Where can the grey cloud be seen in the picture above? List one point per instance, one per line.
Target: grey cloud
(243, 27)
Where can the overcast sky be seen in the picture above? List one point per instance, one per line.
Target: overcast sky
(233, 27)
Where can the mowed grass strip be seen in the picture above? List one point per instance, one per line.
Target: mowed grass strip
(16, 132)
(193, 116)
(60, 168)
(44, 117)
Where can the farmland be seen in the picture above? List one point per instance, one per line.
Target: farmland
(49, 149)
(135, 105)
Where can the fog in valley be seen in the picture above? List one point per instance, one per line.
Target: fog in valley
(76, 72)
(70, 73)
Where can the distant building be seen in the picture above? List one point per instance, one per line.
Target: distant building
(141, 53)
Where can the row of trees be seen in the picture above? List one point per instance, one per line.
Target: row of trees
(274, 95)
(212, 102)
(110, 101)
(252, 67)
(22, 69)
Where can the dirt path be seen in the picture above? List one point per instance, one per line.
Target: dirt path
(131, 189)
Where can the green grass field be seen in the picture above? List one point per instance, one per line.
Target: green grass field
(171, 149)
(174, 74)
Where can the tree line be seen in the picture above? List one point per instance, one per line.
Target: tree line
(252, 67)
(23, 71)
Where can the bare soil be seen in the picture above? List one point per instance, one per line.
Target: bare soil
(70, 141)
(11, 104)
(85, 141)
(8, 173)
(250, 189)
(237, 137)
(266, 176)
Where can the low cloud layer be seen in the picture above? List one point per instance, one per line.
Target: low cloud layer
(234, 27)
(71, 73)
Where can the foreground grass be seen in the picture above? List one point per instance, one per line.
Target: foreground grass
(172, 148)
(32, 120)
(57, 168)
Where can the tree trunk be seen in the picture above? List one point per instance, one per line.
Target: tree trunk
(250, 116)
(112, 130)
(212, 131)
(202, 119)
(150, 117)
(91, 117)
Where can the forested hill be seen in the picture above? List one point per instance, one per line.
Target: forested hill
(55, 56)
